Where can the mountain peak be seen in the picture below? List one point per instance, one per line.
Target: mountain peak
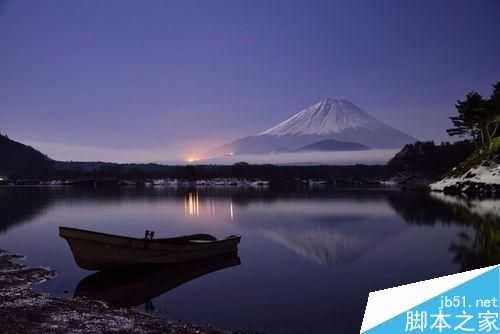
(328, 116)
(328, 119)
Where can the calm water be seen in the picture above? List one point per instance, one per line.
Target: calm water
(308, 259)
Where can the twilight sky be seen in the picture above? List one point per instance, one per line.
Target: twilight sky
(155, 80)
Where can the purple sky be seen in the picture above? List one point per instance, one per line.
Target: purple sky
(152, 80)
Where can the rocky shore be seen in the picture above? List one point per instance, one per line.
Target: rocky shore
(23, 310)
(482, 180)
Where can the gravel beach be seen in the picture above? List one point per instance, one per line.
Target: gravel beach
(23, 310)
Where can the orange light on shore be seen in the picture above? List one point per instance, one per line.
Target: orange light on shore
(192, 159)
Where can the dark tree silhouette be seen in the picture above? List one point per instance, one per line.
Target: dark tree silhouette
(478, 118)
(466, 123)
(426, 159)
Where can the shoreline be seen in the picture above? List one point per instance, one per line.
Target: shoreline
(23, 310)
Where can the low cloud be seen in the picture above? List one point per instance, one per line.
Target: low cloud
(369, 157)
(64, 152)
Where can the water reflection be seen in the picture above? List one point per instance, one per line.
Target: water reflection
(482, 249)
(209, 206)
(115, 287)
(19, 206)
(339, 240)
(323, 227)
(322, 246)
(192, 204)
(471, 251)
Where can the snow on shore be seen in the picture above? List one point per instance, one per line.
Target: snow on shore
(488, 173)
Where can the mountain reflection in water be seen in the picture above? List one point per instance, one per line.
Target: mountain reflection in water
(339, 228)
(311, 256)
(356, 234)
(115, 286)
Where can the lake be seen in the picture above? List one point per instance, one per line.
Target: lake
(307, 259)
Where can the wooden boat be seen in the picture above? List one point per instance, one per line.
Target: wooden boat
(99, 251)
(114, 286)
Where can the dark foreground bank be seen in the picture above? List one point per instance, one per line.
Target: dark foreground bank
(23, 310)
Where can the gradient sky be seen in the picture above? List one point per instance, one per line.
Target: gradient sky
(152, 80)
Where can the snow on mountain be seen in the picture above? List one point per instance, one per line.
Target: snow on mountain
(329, 119)
(328, 116)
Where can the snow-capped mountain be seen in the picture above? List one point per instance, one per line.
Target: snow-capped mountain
(336, 119)
(329, 116)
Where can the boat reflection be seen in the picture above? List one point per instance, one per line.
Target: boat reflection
(115, 287)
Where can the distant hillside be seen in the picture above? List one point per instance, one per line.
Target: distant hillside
(19, 160)
(333, 145)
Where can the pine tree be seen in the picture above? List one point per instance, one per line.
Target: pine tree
(478, 118)
(467, 121)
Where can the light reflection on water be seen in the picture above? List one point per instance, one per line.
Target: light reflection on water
(308, 259)
(193, 206)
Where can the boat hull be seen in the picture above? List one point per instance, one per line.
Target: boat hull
(99, 251)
